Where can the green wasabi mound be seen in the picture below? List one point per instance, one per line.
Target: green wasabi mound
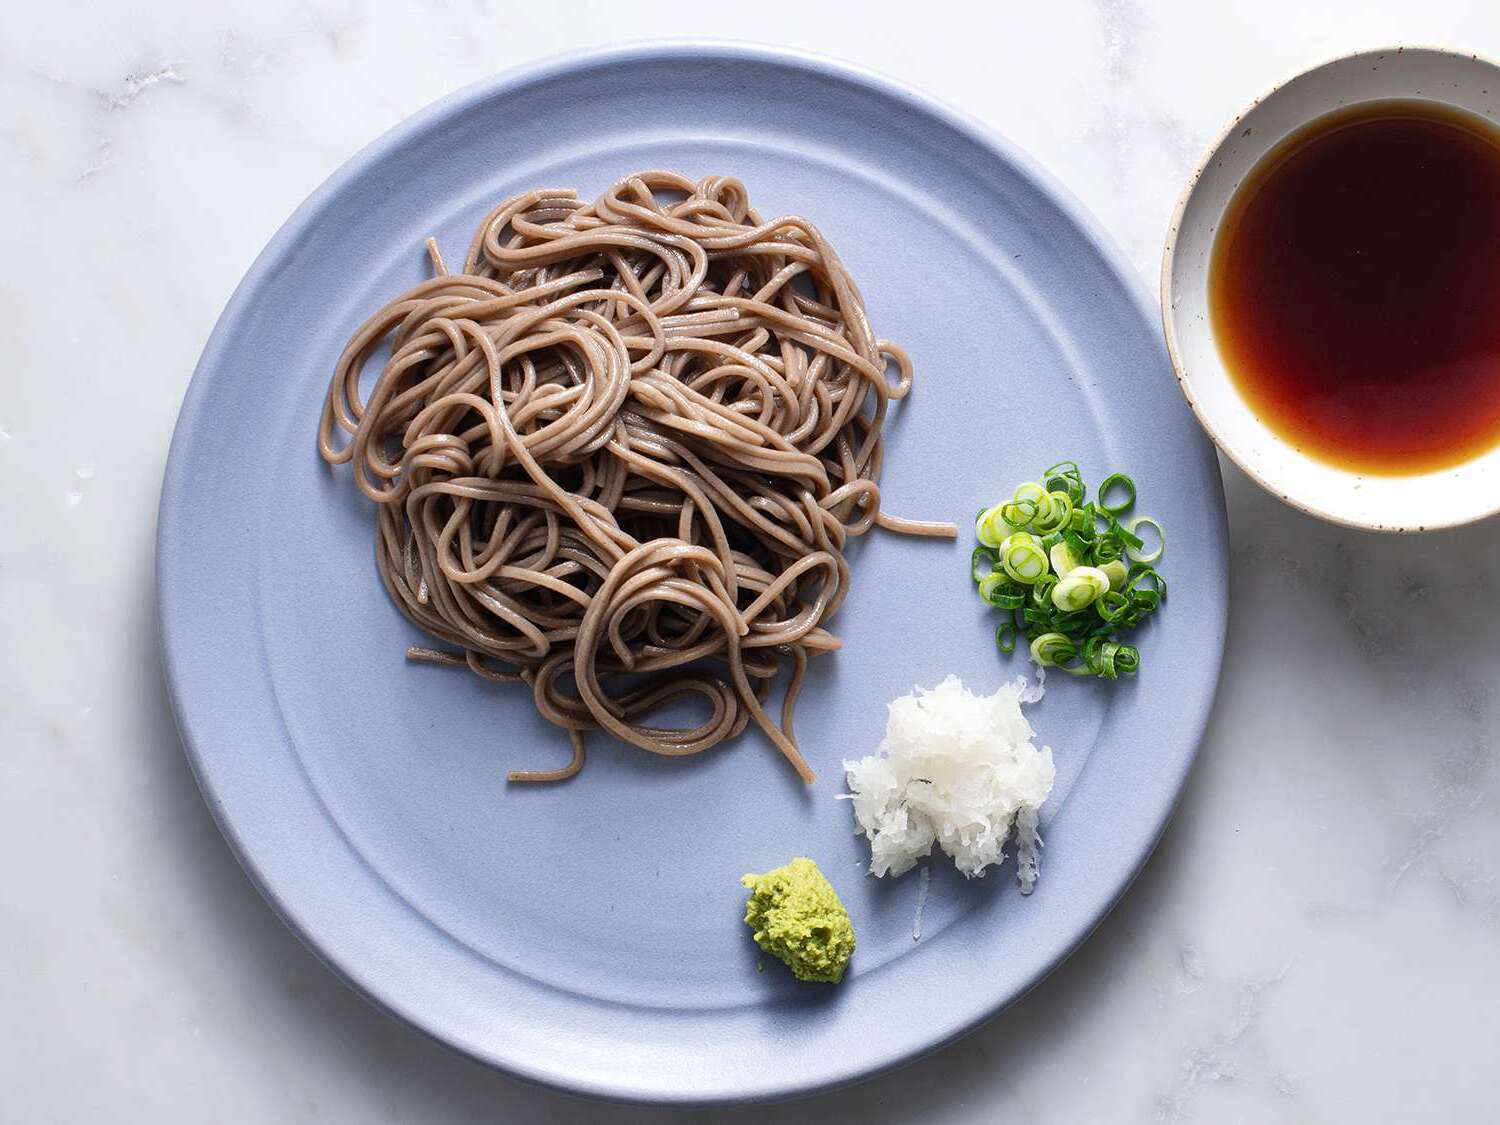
(796, 915)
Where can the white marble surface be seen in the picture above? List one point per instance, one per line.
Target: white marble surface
(1315, 939)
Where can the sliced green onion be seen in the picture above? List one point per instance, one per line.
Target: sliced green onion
(1050, 649)
(1140, 572)
(1005, 637)
(992, 583)
(1022, 558)
(991, 528)
(1065, 475)
(1073, 624)
(1019, 513)
(1064, 558)
(1110, 658)
(1055, 514)
(1107, 549)
(999, 591)
(1041, 589)
(1035, 619)
(1029, 506)
(1070, 577)
(1079, 588)
(1135, 551)
(1116, 482)
(982, 561)
(1112, 606)
(1030, 491)
(1127, 537)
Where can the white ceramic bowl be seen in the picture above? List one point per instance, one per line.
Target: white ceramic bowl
(1382, 503)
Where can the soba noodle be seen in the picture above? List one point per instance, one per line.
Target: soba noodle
(618, 457)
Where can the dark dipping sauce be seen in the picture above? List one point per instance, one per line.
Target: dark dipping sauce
(1355, 288)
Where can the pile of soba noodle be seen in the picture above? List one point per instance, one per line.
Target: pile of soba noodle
(618, 457)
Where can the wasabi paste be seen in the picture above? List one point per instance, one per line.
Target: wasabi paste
(796, 915)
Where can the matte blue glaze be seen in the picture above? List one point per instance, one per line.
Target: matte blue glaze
(588, 935)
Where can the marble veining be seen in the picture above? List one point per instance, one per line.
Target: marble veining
(1314, 939)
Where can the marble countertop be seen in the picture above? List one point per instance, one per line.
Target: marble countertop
(1315, 938)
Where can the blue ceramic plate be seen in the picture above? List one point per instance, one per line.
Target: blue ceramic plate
(588, 935)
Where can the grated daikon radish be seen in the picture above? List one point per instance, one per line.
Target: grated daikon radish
(958, 771)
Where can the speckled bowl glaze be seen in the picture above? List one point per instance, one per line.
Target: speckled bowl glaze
(1445, 498)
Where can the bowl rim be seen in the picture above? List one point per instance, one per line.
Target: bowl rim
(1169, 329)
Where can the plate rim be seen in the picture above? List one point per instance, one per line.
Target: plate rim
(646, 51)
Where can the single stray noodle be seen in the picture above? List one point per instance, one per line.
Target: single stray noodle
(619, 456)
